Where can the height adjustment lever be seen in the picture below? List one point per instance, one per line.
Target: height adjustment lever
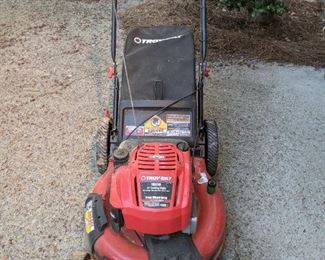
(111, 72)
(207, 72)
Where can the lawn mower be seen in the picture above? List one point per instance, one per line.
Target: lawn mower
(157, 197)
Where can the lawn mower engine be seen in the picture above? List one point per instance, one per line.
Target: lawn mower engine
(157, 199)
(155, 202)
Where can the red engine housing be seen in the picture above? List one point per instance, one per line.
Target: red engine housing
(154, 191)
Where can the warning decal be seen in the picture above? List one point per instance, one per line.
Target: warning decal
(156, 191)
(89, 221)
(155, 127)
(166, 124)
(138, 132)
(178, 124)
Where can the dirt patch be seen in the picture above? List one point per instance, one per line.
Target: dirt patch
(296, 37)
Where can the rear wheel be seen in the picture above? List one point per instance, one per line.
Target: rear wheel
(101, 146)
(211, 146)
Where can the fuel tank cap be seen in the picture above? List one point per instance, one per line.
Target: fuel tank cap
(121, 155)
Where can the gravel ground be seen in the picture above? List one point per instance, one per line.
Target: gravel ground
(52, 57)
(272, 125)
(271, 118)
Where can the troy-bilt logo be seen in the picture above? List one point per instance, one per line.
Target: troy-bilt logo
(139, 40)
(156, 178)
(157, 157)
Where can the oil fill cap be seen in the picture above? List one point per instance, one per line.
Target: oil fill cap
(183, 146)
(211, 188)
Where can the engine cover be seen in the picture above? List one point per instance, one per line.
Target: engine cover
(154, 191)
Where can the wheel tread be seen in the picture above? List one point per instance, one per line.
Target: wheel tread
(212, 146)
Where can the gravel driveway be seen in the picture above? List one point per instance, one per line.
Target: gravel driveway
(53, 54)
(272, 125)
(271, 119)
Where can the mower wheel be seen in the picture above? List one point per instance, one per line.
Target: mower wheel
(211, 146)
(101, 146)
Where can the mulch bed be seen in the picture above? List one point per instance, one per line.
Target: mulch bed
(297, 37)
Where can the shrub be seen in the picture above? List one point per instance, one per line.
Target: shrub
(256, 8)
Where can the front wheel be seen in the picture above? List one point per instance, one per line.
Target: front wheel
(211, 146)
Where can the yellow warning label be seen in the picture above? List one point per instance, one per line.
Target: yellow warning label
(89, 221)
(155, 127)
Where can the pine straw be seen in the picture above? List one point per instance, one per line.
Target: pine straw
(295, 38)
